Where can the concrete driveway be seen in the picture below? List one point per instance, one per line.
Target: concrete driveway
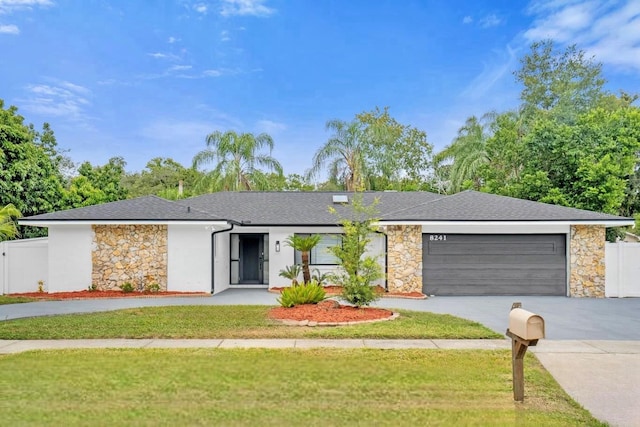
(592, 347)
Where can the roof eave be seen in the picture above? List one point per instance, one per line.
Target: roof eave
(606, 223)
(48, 223)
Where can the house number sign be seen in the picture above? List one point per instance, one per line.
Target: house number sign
(433, 237)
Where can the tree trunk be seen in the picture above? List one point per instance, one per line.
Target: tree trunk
(306, 275)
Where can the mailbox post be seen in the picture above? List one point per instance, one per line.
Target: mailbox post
(525, 329)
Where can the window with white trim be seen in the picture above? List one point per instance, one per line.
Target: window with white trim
(320, 254)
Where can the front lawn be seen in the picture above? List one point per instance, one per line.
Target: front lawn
(4, 299)
(249, 387)
(230, 322)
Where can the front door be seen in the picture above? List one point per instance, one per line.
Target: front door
(249, 259)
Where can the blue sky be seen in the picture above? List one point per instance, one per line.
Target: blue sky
(144, 79)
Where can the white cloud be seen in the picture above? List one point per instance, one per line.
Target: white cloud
(10, 6)
(224, 36)
(212, 73)
(59, 99)
(160, 55)
(180, 67)
(490, 21)
(467, 20)
(503, 64)
(246, 8)
(201, 8)
(9, 29)
(270, 127)
(608, 30)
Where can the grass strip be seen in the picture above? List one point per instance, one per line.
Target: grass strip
(267, 387)
(231, 322)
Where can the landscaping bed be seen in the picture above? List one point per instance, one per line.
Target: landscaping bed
(333, 290)
(102, 294)
(329, 311)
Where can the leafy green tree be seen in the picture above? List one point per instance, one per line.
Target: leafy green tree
(29, 179)
(357, 272)
(97, 184)
(467, 154)
(565, 83)
(304, 244)
(373, 151)
(345, 153)
(238, 158)
(397, 153)
(8, 225)
(161, 177)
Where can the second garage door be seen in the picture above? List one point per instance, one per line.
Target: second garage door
(495, 264)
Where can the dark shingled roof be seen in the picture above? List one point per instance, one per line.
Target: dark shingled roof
(311, 208)
(476, 206)
(297, 208)
(150, 208)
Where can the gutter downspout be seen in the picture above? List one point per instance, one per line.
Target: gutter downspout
(213, 251)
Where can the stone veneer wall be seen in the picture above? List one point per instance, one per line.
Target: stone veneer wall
(129, 253)
(587, 265)
(404, 258)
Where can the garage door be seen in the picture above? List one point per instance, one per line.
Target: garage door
(496, 264)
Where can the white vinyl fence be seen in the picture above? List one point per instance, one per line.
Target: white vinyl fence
(22, 264)
(622, 277)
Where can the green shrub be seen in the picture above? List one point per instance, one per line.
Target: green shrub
(152, 288)
(291, 272)
(92, 287)
(309, 293)
(127, 287)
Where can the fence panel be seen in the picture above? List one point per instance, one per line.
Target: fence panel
(622, 277)
(23, 264)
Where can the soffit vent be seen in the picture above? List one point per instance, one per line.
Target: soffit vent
(340, 198)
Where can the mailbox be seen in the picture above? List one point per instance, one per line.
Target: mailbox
(526, 325)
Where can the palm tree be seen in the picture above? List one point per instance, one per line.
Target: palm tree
(8, 227)
(304, 244)
(467, 153)
(238, 160)
(345, 154)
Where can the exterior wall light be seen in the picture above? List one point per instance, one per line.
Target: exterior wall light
(277, 245)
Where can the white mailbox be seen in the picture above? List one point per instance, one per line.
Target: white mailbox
(526, 325)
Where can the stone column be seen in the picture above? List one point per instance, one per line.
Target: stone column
(404, 258)
(135, 253)
(587, 267)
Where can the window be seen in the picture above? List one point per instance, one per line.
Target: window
(320, 254)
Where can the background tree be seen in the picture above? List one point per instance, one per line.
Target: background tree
(29, 178)
(344, 154)
(373, 152)
(564, 83)
(8, 225)
(161, 177)
(238, 159)
(467, 154)
(97, 184)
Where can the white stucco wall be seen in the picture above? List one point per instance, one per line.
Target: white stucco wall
(221, 262)
(23, 263)
(188, 258)
(69, 258)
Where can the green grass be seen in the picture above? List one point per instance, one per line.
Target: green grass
(230, 322)
(15, 300)
(250, 387)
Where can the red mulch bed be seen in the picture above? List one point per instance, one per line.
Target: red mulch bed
(337, 290)
(103, 294)
(328, 311)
